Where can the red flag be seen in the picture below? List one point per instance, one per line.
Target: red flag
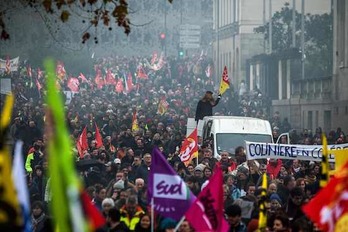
(83, 78)
(130, 82)
(189, 148)
(73, 84)
(206, 213)
(119, 86)
(60, 70)
(99, 81)
(110, 78)
(38, 84)
(154, 58)
(39, 73)
(329, 208)
(162, 106)
(29, 73)
(208, 71)
(82, 143)
(95, 218)
(8, 65)
(225, 82)
(98, 137)
(135, 125)
(141, 72)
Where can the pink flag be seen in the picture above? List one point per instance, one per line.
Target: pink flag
(206, 213)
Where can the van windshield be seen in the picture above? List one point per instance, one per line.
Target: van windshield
(229, 141)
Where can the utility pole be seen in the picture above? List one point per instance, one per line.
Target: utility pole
(264, 23)
(293, 23)
(217, 40)
(180, 12)
(303, 39)
(165, 27)
(270, 27)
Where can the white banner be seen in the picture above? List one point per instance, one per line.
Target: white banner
(13, 64)
(289, 151)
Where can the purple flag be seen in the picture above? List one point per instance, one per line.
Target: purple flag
(171, 197)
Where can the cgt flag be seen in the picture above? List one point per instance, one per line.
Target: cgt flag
(329, 208)
(163, 106)
(189, 148)
(225, 82)
(168, 192)
(206, 213)
(135, 125)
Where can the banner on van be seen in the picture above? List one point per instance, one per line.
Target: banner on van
(289, 151)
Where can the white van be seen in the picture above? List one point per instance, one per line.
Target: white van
(230, 132)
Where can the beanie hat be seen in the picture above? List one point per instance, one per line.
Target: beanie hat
(119, 185)
(276, 197)
(243, 170)
(200, 167)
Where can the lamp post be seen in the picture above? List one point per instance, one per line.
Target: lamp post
(302, 39)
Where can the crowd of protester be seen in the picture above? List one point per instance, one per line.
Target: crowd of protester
(115, 174)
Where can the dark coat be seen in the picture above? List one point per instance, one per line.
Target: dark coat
(205, 108)
(143, 172)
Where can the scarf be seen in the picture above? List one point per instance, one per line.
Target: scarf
(36, 221)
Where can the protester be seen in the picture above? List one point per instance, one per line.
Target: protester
(40, 222)
(117, 170)
(114, 223)
(205, 105)
(234, 218)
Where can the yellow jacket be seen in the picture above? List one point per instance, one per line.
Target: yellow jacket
(131, 222)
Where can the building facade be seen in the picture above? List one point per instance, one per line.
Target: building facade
(311, 102)
(235, 40)
(339, 109)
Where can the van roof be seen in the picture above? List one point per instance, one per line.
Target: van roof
(233, 124)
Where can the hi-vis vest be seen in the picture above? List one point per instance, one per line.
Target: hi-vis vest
(131, 222)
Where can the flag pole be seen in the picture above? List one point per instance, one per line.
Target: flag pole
(179, 223)
(152, 215)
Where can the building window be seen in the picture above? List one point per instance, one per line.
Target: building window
(327, 120)
(310, 120)
(336, 110)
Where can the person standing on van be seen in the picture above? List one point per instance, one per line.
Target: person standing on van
(205, 105)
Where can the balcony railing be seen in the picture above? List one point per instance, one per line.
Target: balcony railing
(317, 88)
